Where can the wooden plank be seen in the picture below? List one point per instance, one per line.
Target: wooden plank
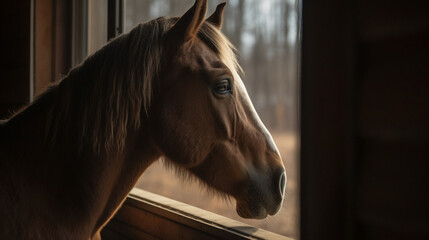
(157, 226)
(198, 218)
(168, 219)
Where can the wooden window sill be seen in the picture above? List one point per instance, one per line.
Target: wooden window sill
(146, 215)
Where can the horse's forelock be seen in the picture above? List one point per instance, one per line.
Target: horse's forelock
(218, 42)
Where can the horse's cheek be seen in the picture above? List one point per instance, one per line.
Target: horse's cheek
(176, 133)
(224, 113)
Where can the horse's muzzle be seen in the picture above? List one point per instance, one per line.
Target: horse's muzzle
(263, 197)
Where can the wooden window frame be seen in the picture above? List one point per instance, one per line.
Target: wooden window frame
(146, 215)
(50, 43)
(115, 18)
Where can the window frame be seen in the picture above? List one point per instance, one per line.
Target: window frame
(144, 212)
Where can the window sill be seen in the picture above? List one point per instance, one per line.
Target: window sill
(146, 215)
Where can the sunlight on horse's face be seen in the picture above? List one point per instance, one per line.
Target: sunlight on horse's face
(206, 123)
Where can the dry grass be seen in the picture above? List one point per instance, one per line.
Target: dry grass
(164, 182)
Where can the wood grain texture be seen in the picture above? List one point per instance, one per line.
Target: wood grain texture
(159, 217)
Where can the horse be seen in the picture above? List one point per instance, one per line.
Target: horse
(169, 88)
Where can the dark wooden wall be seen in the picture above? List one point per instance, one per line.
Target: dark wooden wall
(365, 119)
(15, 22)
(49, 48)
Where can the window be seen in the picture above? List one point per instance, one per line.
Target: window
(89, 28)
(265, 34)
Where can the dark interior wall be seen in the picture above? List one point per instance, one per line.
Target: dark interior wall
(15, 20)
(365, 120)
(50, 45)
(392, 86)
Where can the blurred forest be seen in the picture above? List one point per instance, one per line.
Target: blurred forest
(265, 35)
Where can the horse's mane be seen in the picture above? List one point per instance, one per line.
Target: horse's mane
(106, 96)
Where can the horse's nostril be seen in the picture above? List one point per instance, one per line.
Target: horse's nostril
(282, 183)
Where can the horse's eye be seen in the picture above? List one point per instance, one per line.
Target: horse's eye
(222, 87)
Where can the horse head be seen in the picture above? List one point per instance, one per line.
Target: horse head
(204, 119)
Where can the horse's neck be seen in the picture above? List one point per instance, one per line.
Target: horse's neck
(87, 185)
(138, 158)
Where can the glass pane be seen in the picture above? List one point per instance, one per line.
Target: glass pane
(265, 34)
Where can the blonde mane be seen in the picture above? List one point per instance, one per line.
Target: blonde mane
(106, 96)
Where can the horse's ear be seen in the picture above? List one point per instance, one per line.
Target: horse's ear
(217, 16)
(189, 24)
